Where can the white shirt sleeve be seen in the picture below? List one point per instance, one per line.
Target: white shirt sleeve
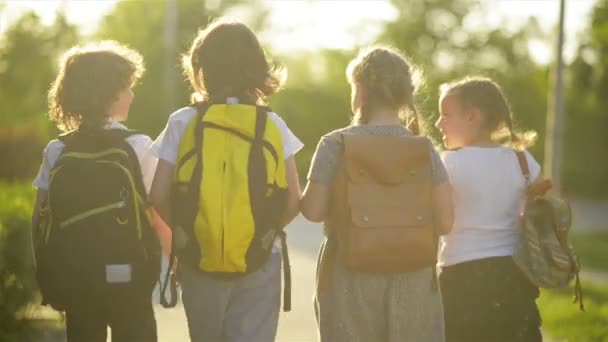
(533, 166)
(147, 161)
(49, 157)
(291, 143)
(448, 159)
(166, 146)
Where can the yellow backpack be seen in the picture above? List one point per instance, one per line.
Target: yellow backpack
(229, 191)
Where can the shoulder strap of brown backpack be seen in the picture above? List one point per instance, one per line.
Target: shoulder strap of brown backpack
(523, 165)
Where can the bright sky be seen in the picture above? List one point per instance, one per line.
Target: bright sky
(310, 25)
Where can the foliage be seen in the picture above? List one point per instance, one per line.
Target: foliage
(316, 100)
(21, 148)
(591, 250)
(29, 51)
(17, 281)
(585, 158)
(28, 61)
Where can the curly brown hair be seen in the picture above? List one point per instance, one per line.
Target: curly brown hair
(388, 79)
(487, 96)
(90, 79)
(227, 60)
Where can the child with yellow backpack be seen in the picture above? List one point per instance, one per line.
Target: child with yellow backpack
(227, 182)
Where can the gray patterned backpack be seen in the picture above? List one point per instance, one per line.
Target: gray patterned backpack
(544, 253)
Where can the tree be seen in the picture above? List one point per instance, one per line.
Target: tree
(316, 98)
(586, 161)
(29, 53)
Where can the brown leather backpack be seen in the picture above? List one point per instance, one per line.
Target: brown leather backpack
(381, 208)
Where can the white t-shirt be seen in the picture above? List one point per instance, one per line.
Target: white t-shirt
(166, 146)
(488, 195)
(139, 142)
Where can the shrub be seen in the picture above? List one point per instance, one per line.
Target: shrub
(21, 149)
(17, 280)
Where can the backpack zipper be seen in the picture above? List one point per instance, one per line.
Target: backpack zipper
(85, 155)
(223, 228)
(136, 200)
(92, 212)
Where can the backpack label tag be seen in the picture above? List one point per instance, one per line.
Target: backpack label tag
(118, 274)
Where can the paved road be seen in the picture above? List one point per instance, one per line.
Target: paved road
(589, 216)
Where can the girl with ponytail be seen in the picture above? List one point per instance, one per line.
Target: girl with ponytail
(353, 305)
(486, 297)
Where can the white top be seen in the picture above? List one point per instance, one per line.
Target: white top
(488, 195)
(166, 146)
(139, 142)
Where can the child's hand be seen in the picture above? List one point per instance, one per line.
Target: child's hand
(539, 187)
(163, 231)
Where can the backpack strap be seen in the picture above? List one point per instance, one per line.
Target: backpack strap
(257, 188)
(523, 165)
(435, 280)
(170, 281)
(286, 272)
(118, 133)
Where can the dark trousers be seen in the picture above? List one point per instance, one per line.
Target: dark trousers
(489, 300)
(130, 319)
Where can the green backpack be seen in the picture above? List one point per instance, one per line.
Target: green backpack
(544, 253)
(93, 220)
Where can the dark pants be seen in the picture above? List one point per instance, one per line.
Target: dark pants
(489, 300)
(131, 319)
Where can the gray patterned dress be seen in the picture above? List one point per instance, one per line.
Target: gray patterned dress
(353, 306)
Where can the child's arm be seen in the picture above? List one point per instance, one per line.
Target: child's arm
(323, 167)
(163, 231)
(159, 197)
(161, 189)
(315, 201)
(41, 195)
(293, 192)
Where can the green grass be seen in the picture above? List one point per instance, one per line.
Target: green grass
(565, 323)
(562, 319)
(591, 250)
